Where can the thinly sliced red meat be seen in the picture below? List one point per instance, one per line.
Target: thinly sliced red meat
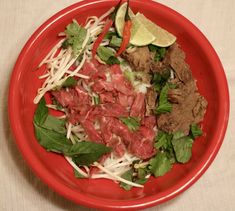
(105, 128)
(92, 133)
(107, 97)
(101, 86)
(113, 110)
(142, 144)
(121, 84)
(138, 106)
(125, 100)
(149, 121)
(118, 146)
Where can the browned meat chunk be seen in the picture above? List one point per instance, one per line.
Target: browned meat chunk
(176, 58)
(188, 107)
(151, 98)
(139, 59)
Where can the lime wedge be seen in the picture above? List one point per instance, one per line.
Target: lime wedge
(163, 38)
(140, 36)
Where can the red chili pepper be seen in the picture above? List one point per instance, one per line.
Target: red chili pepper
(109, 23)
(126, 35)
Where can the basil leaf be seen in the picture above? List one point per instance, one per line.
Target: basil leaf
(112, 60)
(86, 153)
(104, 53)
(133, 123)
(164, 106)
(128, 175)
(52, 140)
(195, 131)
(78, 175)
(55, 124)
(41, 112)
(160, 164)
(183, 148)
(69, 82)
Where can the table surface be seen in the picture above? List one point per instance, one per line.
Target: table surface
(20, 189)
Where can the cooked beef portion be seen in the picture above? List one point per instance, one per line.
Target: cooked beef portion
(183, 115)
(175, 57)
(151, 98)
(140, 59)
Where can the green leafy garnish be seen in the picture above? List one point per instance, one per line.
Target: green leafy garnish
(112, 60)
(96, 100)
(128, 175)
(107, 55)
(164, 106)
(115, 42)
(182, 147)
(69, 82)
(51, 140)
(76, 35)
(51, 134)
(55, 124)
(159, 80)
(160, 164)
(78, 175)
(195, 131)
(133, 123)
(160, 52)
(86, 153)
(129, 75)
(41, 112)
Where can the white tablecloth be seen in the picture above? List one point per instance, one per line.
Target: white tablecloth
(20, 189)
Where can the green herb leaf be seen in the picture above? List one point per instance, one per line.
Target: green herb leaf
(112, 60)
(195, 131)
(96, 100)
(164, 105)
(104, 53)
(160, 80)
(109, 35)
(133, 123)
(69, 82)
(76, 35)
(55, 124)
(160, 164)
(86, 153)
(78, 175)
(115, 42)
(129, 75)
(128, 175)
(160, 52)
(51, 140)
(41, 112)
(182, 147)
(163, 140)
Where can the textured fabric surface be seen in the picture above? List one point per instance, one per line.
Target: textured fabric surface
(20, 189)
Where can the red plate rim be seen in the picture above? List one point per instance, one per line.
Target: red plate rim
(48, 178)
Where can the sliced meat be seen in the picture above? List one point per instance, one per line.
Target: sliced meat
(142, 145)
(149, 121)
(92, 133)
(176, 58)
(107, 97)
(138, 106)
(101, 86)
(118, 146)
(115, 69)
(106, 128)
(151, 98)
(190, 108)
(121, 84)
(111, 110)
(125, 100)
(140, 59)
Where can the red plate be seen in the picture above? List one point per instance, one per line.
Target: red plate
(103, 194)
